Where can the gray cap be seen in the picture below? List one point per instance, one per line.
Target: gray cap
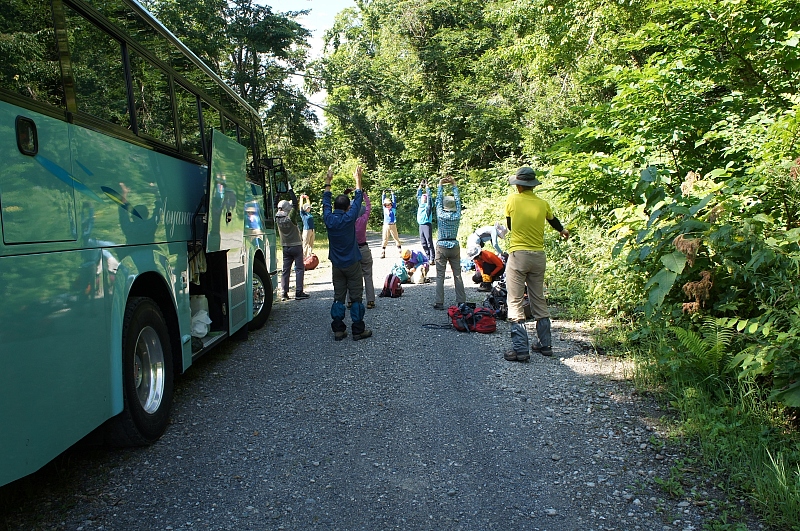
(525, 176)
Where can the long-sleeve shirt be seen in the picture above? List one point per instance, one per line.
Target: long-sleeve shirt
(488, 234)
(424, 208)
(390, 212)
(308, 220)
(417, 259)
(361, 222)
(342, 247)
(448, 221)
(488, 263)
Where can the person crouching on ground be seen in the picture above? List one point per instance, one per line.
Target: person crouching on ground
(417, 265)
(526, 214)
(489, 233)
(345, 258)
(448, 251)
(488, 267)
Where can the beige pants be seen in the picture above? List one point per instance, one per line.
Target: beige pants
(308, 242)
(526, 268)
(390, 230)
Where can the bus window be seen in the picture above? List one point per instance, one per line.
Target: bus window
(152, 99)
(30, 65)
(189, 120)
(211, 120)
(230, 128)
(135, 26)
(100, 88)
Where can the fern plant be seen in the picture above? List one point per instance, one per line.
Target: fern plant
(707, 356)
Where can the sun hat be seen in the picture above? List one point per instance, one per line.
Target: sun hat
(449, 203)
(473, 251)
(525, 176)
(501, 229)
(307, 207)
(406, 254)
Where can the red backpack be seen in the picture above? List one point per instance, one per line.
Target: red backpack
(310, 262)
(467, 318)
(391, 286)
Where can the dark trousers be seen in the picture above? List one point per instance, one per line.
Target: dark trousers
(426, 239)
(293, 254)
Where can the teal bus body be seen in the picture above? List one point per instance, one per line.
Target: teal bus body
(103, 230)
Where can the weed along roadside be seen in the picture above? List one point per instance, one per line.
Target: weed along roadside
(416, 427)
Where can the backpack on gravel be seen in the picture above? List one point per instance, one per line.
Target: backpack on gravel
(310, 262)
(400, 271)
(497, 300)
(391, 287)
(467, 318)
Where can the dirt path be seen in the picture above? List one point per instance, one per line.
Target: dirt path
(414, 428)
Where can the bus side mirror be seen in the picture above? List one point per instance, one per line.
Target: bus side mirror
(281, 186)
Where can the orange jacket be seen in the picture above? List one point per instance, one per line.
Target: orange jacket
(488, 263)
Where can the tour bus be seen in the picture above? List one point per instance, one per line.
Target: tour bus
(137, 223)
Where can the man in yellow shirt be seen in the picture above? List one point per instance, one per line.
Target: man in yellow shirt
(526, 214)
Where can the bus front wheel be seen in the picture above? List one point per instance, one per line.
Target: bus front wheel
(146, 376)
(262, 295)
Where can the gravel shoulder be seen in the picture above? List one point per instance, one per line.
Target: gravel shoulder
(414, 428)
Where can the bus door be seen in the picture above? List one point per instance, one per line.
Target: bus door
(226, 220)
(36, 184)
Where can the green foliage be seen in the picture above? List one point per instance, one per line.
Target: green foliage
(705, 356)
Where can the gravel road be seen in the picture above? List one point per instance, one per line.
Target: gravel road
(414, 428)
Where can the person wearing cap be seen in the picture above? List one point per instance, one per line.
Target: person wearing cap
(309, 235)
(526, 214)
(488, 267)
(425, 220)
(448, 250)
(489, 233)
(345, 256)
(389, 221)
(417, 265)
(366, 253)
(292, 245)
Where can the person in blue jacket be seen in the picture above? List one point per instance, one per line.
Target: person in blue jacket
(340, 217)
(389, 222)
(425, 220)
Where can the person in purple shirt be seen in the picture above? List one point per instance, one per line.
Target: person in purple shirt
(345, 257)
(366, 253)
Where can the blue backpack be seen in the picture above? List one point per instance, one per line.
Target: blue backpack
(400, 271)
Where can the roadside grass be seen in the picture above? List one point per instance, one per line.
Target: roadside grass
(750, 446)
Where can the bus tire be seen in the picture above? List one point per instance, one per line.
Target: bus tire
(147, 371)
(262, 295)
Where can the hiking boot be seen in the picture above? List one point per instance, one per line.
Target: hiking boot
(438, 306)
(363, 335)
(370, 305)
(301, 295)
(544, 351)
(510, 355)
(285, 297)
(485, 286)
(349, 304)
(338, 336)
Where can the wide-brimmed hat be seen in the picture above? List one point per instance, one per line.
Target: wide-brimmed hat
(525, 176)
(449, 203)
